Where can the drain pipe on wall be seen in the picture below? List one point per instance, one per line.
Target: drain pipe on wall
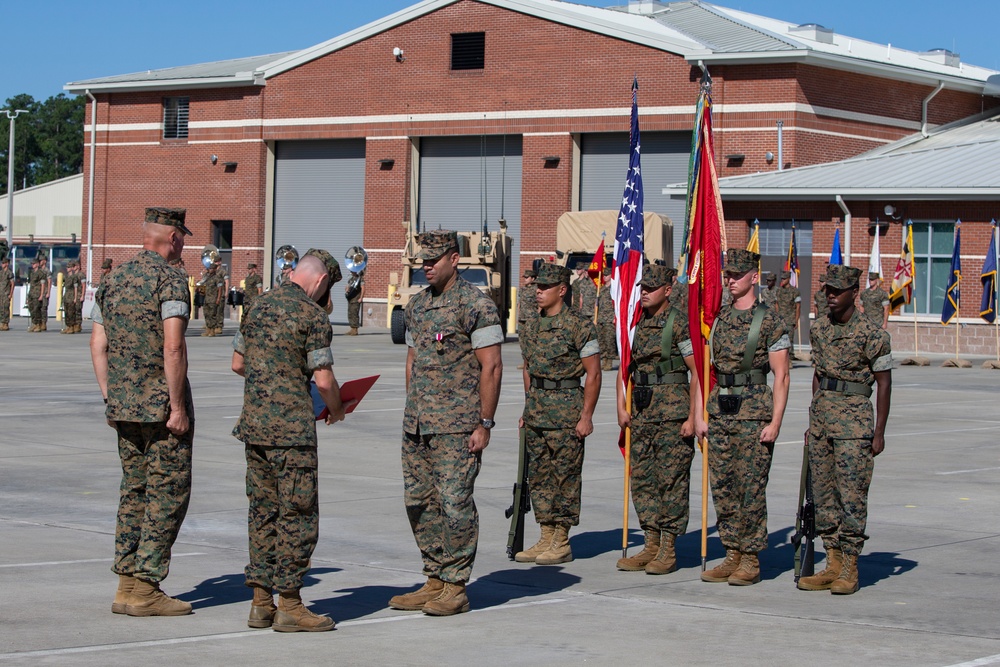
(923, 109)
(781, 145)
(90, 193)
(847, 230)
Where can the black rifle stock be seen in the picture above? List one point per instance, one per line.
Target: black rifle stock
(805, 522)
(521, 504)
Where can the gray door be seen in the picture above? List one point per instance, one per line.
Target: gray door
(466, 180)
(775, 238)
(604, 163)
(319, 193)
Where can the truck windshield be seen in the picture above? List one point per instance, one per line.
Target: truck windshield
(475, 275)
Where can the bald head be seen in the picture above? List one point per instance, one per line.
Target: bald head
(310, 274)
(164, 240)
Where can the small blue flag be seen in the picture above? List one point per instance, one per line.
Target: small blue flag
(988, 307)
(836, 256)
(951, 295)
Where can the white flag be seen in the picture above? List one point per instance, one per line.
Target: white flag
(875, 261)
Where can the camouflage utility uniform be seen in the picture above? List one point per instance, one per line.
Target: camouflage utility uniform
(6, 294)
(131, 305)
(873, 301)
(822, 307)
(527, 306)
(679, 296)
(215, 299)
(841, 426)
(739, 463)
(606, 327)
(554, 363)
(354, 304)
(769, 296)
(284, 338)
(584, 296)
(661, 458)
(442, 410)
(251, 290)
(786, 298)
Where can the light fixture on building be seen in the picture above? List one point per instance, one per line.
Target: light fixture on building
(551, 161)
(891, 211)
(72, 237)
(31, 238)
(214, 158)
(769, 156)
(397, 53)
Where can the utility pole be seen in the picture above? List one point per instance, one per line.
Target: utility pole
(12, 114)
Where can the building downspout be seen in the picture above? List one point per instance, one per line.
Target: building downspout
(923, 109)
(847, 230)
(90, 193)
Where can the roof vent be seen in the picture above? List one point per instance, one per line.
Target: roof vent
(812, 31)
(942, 57)
(640, 6)
(992, 87)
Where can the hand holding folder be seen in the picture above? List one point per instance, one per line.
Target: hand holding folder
(351, 394)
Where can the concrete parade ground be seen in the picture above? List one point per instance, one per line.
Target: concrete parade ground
(930, 574)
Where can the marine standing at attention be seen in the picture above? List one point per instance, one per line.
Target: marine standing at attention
(251, 287)
(137, 345)
(453, 373)
(747, 342)
(559, 348)
(875, 301)
(6, 287)
(850, 353)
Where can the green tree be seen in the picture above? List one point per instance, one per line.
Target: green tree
(49, 140)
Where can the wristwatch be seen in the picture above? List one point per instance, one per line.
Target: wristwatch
(487, 423)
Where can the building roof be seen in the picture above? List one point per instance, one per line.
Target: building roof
(954, 162)
(695, 30)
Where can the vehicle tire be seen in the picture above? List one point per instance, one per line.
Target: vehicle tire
(398, 328)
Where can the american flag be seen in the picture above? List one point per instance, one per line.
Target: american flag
(627, 270)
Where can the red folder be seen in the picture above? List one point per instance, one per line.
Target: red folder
(349, 391)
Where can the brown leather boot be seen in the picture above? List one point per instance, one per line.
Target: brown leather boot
(666, 559)
(262, 609)
(821, 580)
(452, 600)
(559, 551)
(146, 599)
(721, 572)
(415, 600)
(748, 573)
(637, 563)
(541, 546)
(847, 582)
(125, 585)
(292, 616)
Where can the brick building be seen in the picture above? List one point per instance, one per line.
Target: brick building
(455, 112)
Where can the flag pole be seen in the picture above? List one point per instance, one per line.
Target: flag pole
(628, 470)
(704, 465)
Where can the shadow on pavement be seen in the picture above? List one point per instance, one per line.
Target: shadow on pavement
(231, 588)
(879, 565)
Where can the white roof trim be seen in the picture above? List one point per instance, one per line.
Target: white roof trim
(240, 79)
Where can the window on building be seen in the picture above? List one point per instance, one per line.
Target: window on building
(222, 238)
(175, 117)
(932, 246)
(468, 50)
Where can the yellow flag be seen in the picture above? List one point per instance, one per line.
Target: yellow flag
(754, 245)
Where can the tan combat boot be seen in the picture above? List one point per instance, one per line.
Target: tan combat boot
(821, 580)
(637, 563)
(452, 600)
(541, 546)
(31, 329)
(748, 573)
(721, 572)
(125, 585)
(207, 332)
(292, 616)
(666, 559)
(415, 600)
(559, 551)
(847, 582)
(146, 599)
(44, 327)
(262, 608)
(353, 331)
(4, 327)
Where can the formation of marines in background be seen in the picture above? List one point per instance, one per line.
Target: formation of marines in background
(453, 374)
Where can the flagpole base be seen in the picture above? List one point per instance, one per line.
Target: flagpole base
(915, 361)
(624, 553)
(957, 363)
(704, 564)
(992, 363)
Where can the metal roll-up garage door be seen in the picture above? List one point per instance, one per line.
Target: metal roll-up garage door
(461, 181)
(319, 196)
(604, 162)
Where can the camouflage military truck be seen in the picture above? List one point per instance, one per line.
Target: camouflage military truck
(578, 234)
(485, 262)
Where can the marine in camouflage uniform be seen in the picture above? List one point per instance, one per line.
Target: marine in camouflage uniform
(560, 346)
(140, 359)
(283, 343)
(745, 419)
(769, 295)
(819, 298)
(875, 301)
(453, 373)
(215, 300)
(6, 288)
(69, 298)
(251, 287)
(606, 323)
(788, 303)
(850, 354)
(41, 283)
(661, 419)
(527, 306)
(584, 294)
(354, 302)
(679, 295)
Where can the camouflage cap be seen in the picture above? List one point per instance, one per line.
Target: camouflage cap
(251, 265)
(4, 249)
(655, 276)
(771, 277)
(552, 274)
(785, 275)
(332, 265)
(106, 264)
(739, 260)
(172, 217)
(435, 244)
(874, 276)
(530, 273)
(839, 276)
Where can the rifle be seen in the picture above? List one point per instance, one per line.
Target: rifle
(805, 521)
(521, 504)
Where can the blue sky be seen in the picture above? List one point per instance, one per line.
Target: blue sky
(47, 43)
